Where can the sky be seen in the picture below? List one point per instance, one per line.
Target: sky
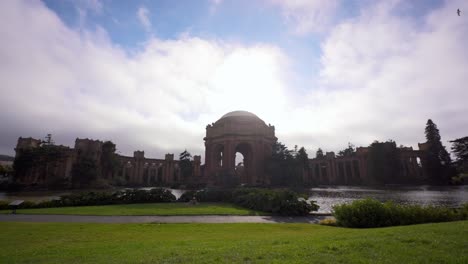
(150, 75)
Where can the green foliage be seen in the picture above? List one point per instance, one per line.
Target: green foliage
(383, 162)
(347, 152)
(207, 195)
(286, 167)
(278, 202)
(129, 196)
(460, 149)
(38, 157)
(437, 160)
(372, 213)
(84, 172)
(109, 161)
(3, 205)
(319, 154)
(185, 164)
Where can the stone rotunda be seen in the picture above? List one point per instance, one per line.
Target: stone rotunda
(238, 132)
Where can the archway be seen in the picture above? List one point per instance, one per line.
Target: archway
(243, 162)
(243, 133)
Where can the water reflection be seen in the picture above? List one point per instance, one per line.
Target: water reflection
(451, 196)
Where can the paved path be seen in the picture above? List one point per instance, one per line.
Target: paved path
(158, 219)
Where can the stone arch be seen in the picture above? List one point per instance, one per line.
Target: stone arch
(243, 132)
(245, 173)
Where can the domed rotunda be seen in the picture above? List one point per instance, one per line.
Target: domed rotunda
(238, 132)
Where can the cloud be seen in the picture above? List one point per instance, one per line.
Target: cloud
(143, 17)
(382, 76)
(214, 5)
(307, 16)
(159, 99)
(84, 7)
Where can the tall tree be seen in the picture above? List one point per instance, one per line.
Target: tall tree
(109, 161)
(383, 162)
(185, 164)
(347, 152)
(437, 160)
(319, 154)
(460, 149)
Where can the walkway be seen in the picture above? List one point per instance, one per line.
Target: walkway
(159, 219)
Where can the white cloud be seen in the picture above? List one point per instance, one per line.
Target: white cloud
(83, 7)
(143, 16)
(159, 99)
(306, 16)
(382, 77)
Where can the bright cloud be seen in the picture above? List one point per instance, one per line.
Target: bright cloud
(382, 75)
(143, 17)
(306, 16)
(158, 99)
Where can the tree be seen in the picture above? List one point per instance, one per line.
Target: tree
(319, 154)
(437, 159)
(185, 164)
(109, 160)
(84, 172)
(287, 167)
(280, 164)
(347, 152)
(383, 162)
(460, 149)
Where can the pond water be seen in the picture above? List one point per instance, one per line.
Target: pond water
(450, 196)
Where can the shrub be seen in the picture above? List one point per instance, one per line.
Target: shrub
(4, 205)
(372, 213)
(279, 202)
(328, 222)
(207, 195)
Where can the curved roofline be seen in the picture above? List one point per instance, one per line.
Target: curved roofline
(239, 113)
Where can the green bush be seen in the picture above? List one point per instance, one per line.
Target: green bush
(278, 202)
(157, 195)
(4, 205)
(207, 195)
(372, 213)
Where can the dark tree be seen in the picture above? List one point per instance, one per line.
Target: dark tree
(185, 164)
(437, 159)
(319, 154)
(84, 172)
(347, 152)
(109, 161)
(287, 167)
(279, 166)
(460, 150)
(383, 162)
(302, 157)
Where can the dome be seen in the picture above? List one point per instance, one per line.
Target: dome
(239, 113)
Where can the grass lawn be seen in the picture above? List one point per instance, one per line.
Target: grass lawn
(227, 243)
(145, 209)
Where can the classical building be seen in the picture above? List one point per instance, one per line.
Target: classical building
(55, 166)
(235, 132)
(238, 132)
(354, 169)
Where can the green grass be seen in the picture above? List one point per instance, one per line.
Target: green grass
(145, 209)
(227, 243)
